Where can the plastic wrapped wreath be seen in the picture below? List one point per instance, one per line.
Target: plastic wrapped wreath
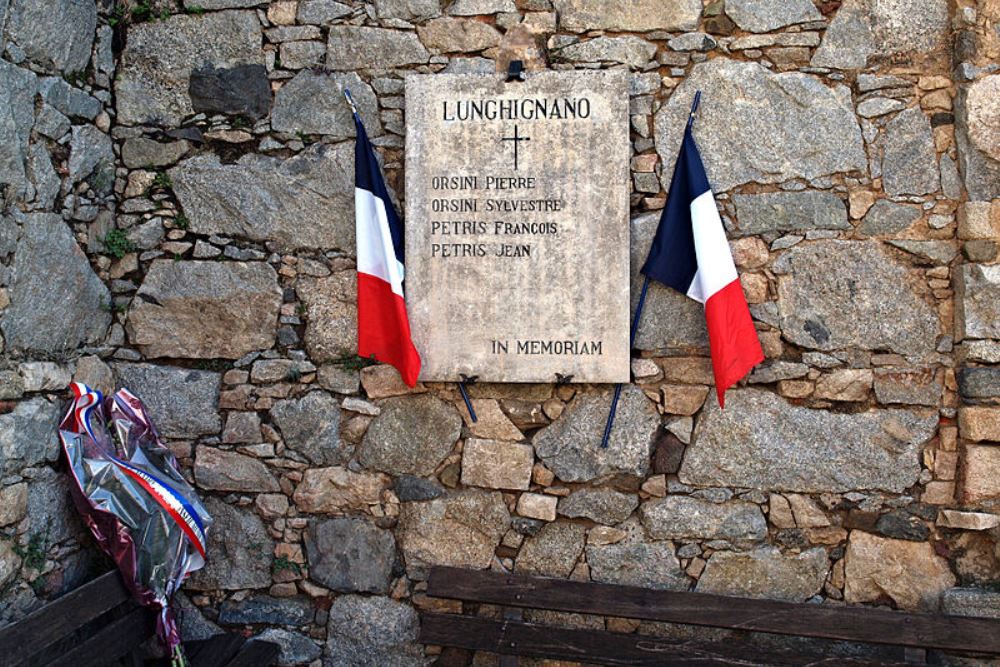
(140, 509)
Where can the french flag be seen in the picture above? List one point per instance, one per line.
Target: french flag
(690, 253)
(383, 326)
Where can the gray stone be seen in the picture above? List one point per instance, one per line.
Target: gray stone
(302, 55)
(601, 505)
(669, 319)
(909, 161)
(473, 65)
(888, 218)
(983, 351)
(152, 84)
(481, 7)
(331, 325)
(44, 375)
(902, 525)
(409, 488)
(51, 123)
(552, 552)
(980, 172)
(239, 91)
(971, 602)
(840, 294)
(982, 115)
(632, 51)
(51, 515)
(977, 302)
(870, 82)
(874, 107)
(92, 158)
(789, 211)
(17, 111)
(979, 382)
(766, 15)
(818, 451)
(684, 517)
(205, 310)
(323, 12)
(142, 152)
(360, 47)
(408, 10)
(239, 550)
(451, 35)
(460, 530)
(147, 235)
(68, 99)
(864, 31)
(412, 435)
(306, 201)
(571, 446)
(57, 301)
(266, 609)
(766, 573)
(221, 4)
(55, 35)
(13, 502)
(693, 41)
(29, 435)
(350, 555)
(313, 103)
(311, 426)
(951, 181)
(637, 561)
(10, 562)
(636, 16)
(903, 387)
(775, 371)
(43, 176)
(372, 631)
(183, 403)
(220, 470)
(811, 129)
(296, 648)
(927, 253)
(193, 624)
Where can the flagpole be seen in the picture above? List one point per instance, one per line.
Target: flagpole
(350, 102)
(638, 313)
(465, 397)
(631, 344)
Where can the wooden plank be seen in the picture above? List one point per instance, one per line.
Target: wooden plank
(112, 642)
(605, 648)
(848, 623)
(452, 656)
(256, 654)
(214, 651)
(511, 614)
(60, 618)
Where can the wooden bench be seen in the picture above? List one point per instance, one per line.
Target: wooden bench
(100, 624)
(904, 638)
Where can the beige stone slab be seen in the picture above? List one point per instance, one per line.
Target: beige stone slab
(517, 274)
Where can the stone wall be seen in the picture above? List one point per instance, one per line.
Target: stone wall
(176, 188)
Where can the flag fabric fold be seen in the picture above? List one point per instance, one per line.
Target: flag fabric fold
(690, 253)
(383, 326)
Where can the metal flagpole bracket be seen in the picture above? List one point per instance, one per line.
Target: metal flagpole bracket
(467, 379)
(515, 71)
(350, 101)
(694, 107)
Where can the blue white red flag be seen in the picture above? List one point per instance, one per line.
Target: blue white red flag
(383, 326)
(690, 253)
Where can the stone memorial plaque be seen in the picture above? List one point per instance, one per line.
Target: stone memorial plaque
(517, 229)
